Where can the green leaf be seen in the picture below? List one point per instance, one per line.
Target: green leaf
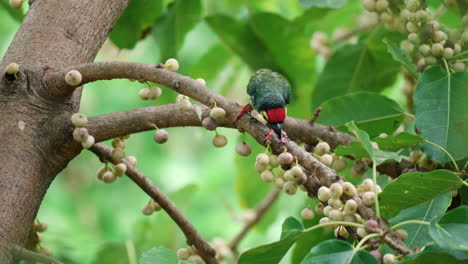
(323, 3)
(463, 191)
(397, 142)
(433, 254)
(354, 149)
(274, 252)
(160, 255)
(418, 235)
(337, 252)
(401, 56)
(452, 229)
(442, 113)
(363, 66)
(362, 136)
(291, 227)
(171, 29)
(136, 22)
(363, 148)
(310, 239)
(240, 38)
(112, 253)
(289, 47)
(372, 112)
(411, 189)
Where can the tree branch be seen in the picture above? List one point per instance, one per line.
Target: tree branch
(318, 173)
(185, 85)
(123, 123)
(29, 255)
(260, 211)
(192, 235)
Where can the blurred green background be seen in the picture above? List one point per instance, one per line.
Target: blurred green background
(93, 222)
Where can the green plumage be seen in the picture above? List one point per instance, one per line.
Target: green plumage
(268, 90)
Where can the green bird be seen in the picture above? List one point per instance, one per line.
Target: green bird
(269, 92)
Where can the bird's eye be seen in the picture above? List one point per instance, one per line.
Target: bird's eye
(264, 114)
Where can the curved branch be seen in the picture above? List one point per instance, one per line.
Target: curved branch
(192, 235)
(318, 173)
(29, 255)
(139, 71)
(118, 124)
(185, 85)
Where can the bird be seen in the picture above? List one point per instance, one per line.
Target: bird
(269, 93)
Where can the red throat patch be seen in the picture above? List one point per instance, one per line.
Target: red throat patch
(276, 115)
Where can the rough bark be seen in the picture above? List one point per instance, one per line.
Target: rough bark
(34, 121)
(118, 124)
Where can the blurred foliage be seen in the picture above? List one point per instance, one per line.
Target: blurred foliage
(224, 41)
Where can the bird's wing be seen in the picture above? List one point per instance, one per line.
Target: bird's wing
(284, 87)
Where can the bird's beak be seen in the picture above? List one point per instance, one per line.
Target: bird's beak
(277, 127)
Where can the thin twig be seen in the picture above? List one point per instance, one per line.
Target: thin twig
(316, 115)
(260, 211)
(192, 235)
(29, 255)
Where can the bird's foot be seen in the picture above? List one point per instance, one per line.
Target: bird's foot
(245, 109)
(284, 137)
(268, 135)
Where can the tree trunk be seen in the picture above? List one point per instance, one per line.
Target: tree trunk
(35, 128)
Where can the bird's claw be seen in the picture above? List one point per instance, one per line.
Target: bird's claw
(245, 109)
(268, 135)
(284, 137)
